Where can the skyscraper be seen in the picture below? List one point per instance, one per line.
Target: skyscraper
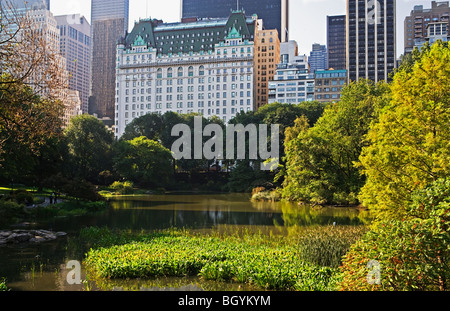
(336, 42)
(75, 38)
(267, 57)
(274, 13)
(417, 22)
(109, 22)
(318, 58)
(371, 39)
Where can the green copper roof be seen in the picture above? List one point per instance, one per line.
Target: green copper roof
(234, 34)
(139, 41)
(188, 37)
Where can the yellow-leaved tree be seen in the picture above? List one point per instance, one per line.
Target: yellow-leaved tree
(409, 146)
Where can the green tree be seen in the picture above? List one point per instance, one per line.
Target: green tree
(150, 125)
(27, 123)
(409, 146)
(88, 143)
(320, 159)
(144, 162)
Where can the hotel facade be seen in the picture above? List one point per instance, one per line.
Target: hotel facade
(204, 66)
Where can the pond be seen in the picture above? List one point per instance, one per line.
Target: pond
(42, 267)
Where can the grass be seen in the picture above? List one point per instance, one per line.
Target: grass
(269, 262)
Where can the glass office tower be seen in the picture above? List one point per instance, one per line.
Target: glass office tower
(371, 39)
(336, 42)
(274, 13)
(109, 22)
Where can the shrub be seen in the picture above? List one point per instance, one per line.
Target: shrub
(413, 253)
(10, 211)
(3, 287)
(22, 197)
(125, 187)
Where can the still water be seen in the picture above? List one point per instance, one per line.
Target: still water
(43, 267)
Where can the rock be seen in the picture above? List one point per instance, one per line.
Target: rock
(31, 236)
(23, 237)
(5, 234)
(11, 238)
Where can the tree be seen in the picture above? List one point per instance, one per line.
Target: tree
(32, 84)
(27, 55)
(149, 125)
(27, 123)
(320, 159)
(409, 146)
(144, 162)
(89, 145)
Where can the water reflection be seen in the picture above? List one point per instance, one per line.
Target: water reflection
(41, 267)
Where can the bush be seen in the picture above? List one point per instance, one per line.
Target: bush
(3, 287)
(413, 253)
(126, 187)
(22, 197)
(10, 211)
(69, 208)
(82, 190)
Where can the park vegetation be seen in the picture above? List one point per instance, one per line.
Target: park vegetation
(276, 263)
(384, 147)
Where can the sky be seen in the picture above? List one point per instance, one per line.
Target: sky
(307, 18)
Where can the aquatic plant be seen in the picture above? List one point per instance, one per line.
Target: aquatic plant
(270, 263)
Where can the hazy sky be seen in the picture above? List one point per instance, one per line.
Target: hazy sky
(307, 17)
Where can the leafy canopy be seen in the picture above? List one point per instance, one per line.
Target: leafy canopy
(409, 146)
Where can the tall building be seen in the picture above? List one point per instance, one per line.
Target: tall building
(371, 39)
(336, 42)
(203, 66)
(267, 57)
(274, 13)
(75, 46)
(293, 83)
(47, 79)
(109, 22)
(417, 22)
(318, 58)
